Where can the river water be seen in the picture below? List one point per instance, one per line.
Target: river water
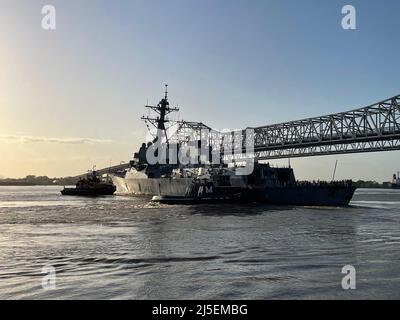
(128, 248)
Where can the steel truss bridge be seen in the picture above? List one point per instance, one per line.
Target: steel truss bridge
(369, 129)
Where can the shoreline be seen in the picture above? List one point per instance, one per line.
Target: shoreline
(61, 185)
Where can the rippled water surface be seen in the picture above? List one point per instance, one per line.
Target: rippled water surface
(127, 248)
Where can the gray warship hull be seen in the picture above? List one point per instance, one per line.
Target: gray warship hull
(297, 195)
(152, 186)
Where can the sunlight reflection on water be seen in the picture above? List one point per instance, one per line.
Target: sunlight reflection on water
(126, 247)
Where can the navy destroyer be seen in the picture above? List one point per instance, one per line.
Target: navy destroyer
(177, 182)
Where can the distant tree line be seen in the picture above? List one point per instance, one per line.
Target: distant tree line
(38, 181)
(371, 184)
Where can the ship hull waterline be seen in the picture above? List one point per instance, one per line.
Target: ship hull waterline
(170, 190)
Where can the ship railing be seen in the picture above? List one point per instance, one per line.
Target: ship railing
(318, 183)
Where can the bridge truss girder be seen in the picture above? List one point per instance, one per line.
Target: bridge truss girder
(344, 148)
(369, 129)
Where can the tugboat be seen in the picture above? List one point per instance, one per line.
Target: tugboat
(91, 186)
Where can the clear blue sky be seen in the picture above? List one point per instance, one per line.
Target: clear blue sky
(229, 63)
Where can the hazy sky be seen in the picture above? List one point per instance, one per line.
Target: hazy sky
(73, 97)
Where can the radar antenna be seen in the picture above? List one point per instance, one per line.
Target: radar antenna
(162, 109)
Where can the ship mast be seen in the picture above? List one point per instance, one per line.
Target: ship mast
(162, 109)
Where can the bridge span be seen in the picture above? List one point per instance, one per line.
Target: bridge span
(112, 169)
(373, 128)
(370, 129)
